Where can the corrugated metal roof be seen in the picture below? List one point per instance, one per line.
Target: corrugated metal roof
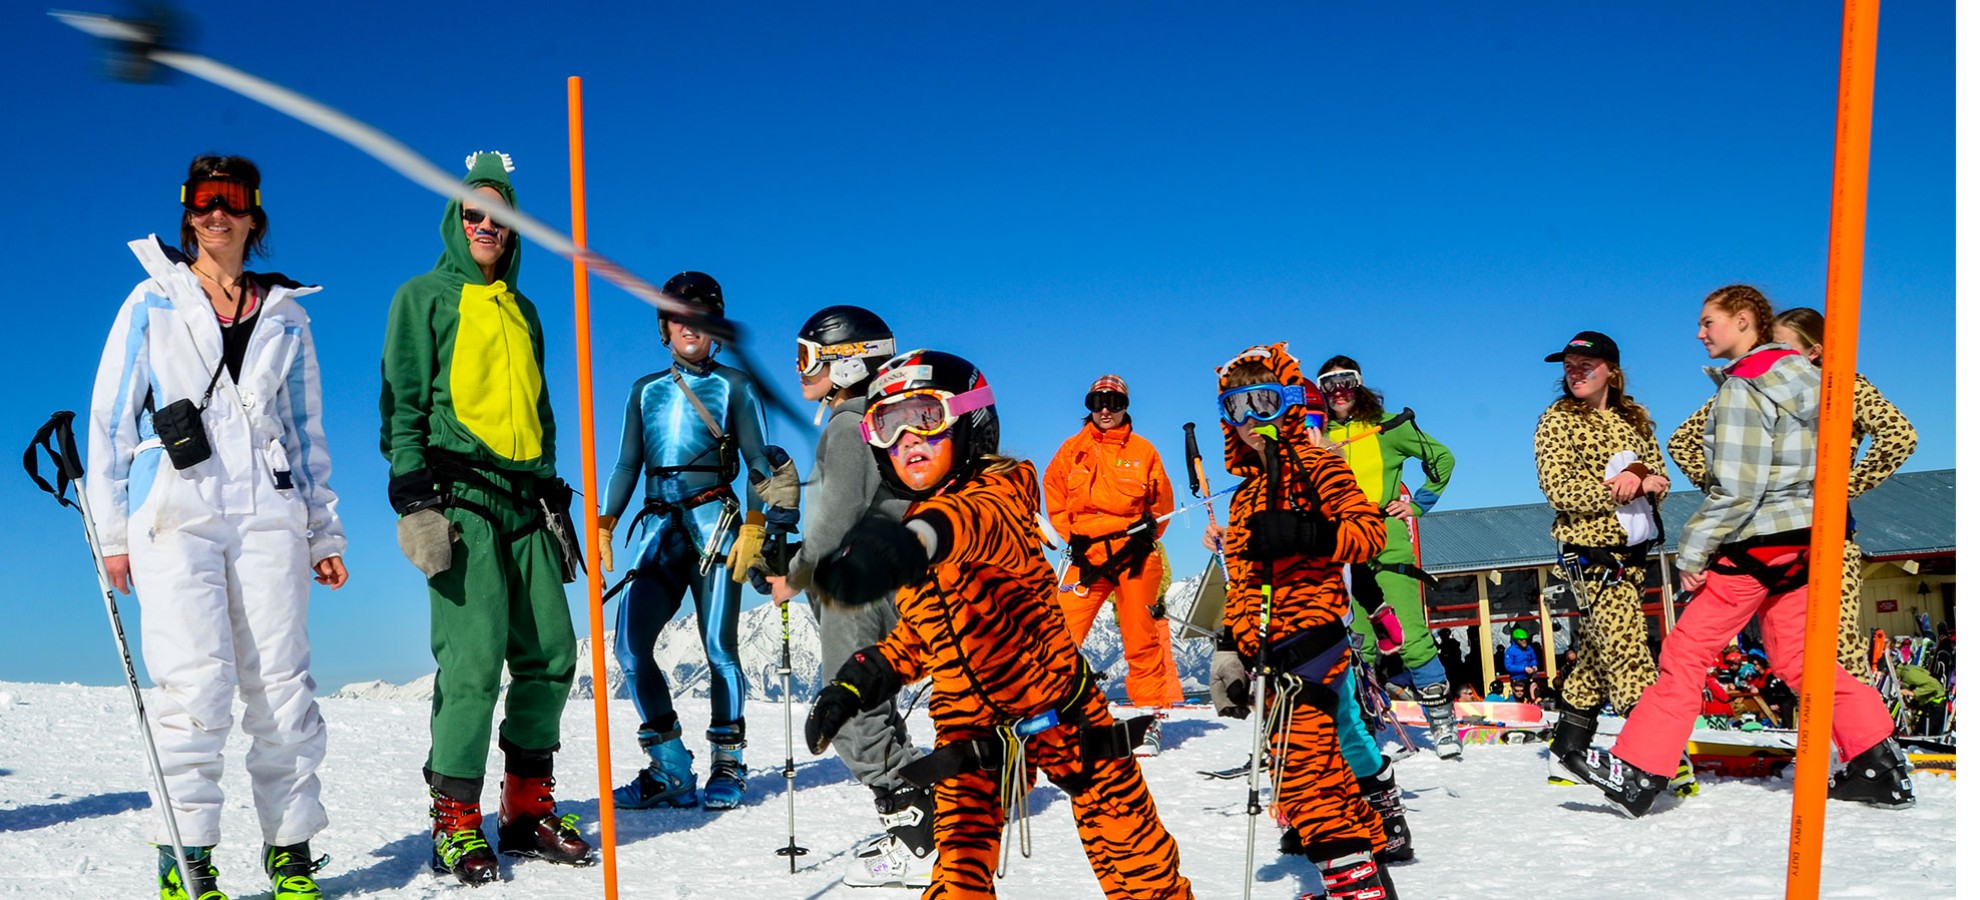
(1908, 515)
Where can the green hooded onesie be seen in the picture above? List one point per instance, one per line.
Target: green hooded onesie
(466, 414)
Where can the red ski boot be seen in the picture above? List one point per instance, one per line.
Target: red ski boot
(458, 847)
(531, 826)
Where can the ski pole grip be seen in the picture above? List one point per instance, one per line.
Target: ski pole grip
(1192, 457)
(68, 463)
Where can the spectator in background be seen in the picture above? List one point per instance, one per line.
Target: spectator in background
(1451, 653)
(1522, 659)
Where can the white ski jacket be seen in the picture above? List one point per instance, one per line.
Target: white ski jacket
(268, 425)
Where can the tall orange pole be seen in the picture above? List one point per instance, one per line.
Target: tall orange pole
(1849, 195)
(588, 440)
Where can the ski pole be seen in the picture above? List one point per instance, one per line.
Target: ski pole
(58, 438)
(791, 850)
(1252, 808)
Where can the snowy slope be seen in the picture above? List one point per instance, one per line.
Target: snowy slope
(73, 811)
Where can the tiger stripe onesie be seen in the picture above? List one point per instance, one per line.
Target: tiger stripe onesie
(986, 628)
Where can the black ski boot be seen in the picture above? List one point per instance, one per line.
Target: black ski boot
(1629, 789)
(203, 884)
(1571, 737)
(530, 825)
(1437, 712)
(1382, 792)
(458, 846)
(291, 873)
(1353, 876)
(1879, 776)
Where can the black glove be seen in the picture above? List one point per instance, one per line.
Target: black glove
(413, 491)
(779, 519)
(1230, 685)
(878, 555)
(1280, 533)
(835, 706)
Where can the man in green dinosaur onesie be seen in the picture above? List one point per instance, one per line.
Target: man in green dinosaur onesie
(471, 441)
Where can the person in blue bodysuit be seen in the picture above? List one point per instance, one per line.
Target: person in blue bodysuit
(693, 536)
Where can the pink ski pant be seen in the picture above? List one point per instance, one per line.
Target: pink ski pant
(1654, 736)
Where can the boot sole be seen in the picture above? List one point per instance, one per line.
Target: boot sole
(585, 863)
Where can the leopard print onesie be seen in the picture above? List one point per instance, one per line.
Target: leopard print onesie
(1571, 448)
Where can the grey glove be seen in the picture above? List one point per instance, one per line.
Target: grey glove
(427, 538)
(1230, 685)
(782, 488)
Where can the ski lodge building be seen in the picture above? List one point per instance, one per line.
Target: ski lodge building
(1494, 565)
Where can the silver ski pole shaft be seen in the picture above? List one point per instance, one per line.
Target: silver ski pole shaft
(59, 427)
(792, 849)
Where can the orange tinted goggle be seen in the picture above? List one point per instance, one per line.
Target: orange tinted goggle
(235, 197)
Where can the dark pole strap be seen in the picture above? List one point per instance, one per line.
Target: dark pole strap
(57, 437)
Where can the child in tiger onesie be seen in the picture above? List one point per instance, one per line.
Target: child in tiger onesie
(1290, 531)
(979, 616)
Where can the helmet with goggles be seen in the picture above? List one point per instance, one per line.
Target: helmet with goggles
(928, 392)
(848, 340)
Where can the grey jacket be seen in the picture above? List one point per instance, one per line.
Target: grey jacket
(1759, 454)
(845, 486)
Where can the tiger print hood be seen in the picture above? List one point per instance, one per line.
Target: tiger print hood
(1238, 458)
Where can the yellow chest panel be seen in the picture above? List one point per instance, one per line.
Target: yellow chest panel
(494, 378)
(1363, 456)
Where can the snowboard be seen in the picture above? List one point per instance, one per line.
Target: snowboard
(1513, 715)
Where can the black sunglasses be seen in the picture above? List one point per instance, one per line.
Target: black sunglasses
(1108, 400)
(476, 217)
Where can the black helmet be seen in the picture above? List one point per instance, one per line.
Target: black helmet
(975, 432)
(850, 339)
(696, 288)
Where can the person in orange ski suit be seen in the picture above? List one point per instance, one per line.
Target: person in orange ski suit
(1104, 481)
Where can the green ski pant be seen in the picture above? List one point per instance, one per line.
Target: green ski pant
(502, 600)
(1404, 595)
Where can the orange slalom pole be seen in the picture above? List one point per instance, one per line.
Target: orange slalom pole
(1848, 199)
(588, 440)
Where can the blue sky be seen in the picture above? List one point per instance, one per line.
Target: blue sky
(1446, 192)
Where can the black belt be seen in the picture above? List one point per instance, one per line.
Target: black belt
(658, 507)
(451, 469)
(1612, 558)
(1113, 741)
(1741, 558)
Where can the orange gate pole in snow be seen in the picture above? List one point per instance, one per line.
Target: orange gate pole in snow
(1849, 193)
(588, 440)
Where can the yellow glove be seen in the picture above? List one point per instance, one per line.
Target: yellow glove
(747, 551)
(1168, 575)
(605, 526)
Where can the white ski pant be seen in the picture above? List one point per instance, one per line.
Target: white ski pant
(225, 602)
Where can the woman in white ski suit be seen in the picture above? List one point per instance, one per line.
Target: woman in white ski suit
(222, 552)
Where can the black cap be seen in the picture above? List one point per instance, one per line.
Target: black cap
(1589, 343)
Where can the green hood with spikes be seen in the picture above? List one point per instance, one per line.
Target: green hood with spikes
(456, 262)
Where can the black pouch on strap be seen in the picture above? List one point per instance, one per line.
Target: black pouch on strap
(1311, 655)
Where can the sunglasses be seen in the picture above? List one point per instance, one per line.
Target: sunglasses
(925, 412)
(812, 356)
(1258, 402)
(1336, 382)
(475, 217)
(230, 195)
(1111, 401)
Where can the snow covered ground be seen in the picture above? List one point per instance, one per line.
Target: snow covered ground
(73, 811)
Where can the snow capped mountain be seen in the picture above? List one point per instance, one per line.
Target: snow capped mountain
(759, 640)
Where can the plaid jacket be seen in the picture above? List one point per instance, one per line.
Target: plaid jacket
(1759, 454)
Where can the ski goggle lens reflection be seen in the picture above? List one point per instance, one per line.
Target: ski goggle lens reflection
(1258, 402)
(925, 412)
(1111, 401)
(203, 195)
(813, 356)
(1335, 382)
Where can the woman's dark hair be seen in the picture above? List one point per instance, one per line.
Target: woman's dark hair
(1367, 403)
(233, 166)
(1619, 400)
